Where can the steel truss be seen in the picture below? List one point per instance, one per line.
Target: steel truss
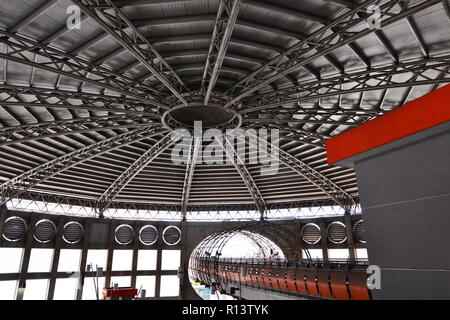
(190, 167)
(339, 195)
(14, 187)
(132, 171)
(57, 98)
(116, 24)
(24, 50)
(419, 72)
(223, 29)
(239, 164)
(335, 35)
(43, 130)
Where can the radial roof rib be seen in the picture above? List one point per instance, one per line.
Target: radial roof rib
(239, 164)
(116, 24)
(378, 78)
(339, 195)
(327, 39)
(190, 168)
(23, 50)
(132, 171)
(63, 99)
(29, 179)
(45, 130)
(223, 28)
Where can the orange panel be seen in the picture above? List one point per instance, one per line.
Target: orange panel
(358, 286)
(274, 278)
(324, 284)
(290, 278)
(418, 115)
(261, 277)
(282, 279)
(338, 285)
(255, 275)
(300, 281)
(311, 283)
(267, 277)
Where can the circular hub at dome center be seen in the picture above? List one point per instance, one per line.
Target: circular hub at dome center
(210, 116)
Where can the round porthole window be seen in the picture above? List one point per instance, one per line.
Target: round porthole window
(172, 235)
(14, 229)
(148, 235)
(311, 233)
(124, 234)
(73, 232)
(358, 231)
(44, 231)
(336, 232)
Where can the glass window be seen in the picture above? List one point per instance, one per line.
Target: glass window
(89, 288)
(146, 260)
(122, 260)
(170, 259)
(40, 260)
(315, 254)
(170, 286)
(97, 257)
(11, 259)
(361, 253)
(69, 260)
(122, 281)
(146, 283)
(342, 254)
(8, 290)
(36, 289)
(66, 289)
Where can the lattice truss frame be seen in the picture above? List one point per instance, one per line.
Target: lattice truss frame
(126, 109)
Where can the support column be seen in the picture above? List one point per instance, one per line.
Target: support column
(83, 262)
(324, 241)
(158, 265)
(55, 261)
(134, 264)
(29, 239)
(184, 263)
(109, 260)
(3, 212)
(350, 239)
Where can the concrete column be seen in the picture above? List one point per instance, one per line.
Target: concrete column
(350, 239)
(109, 260)
(137, 226)
(324, 240)
(83, 262)
(56, 253)
(3, 213)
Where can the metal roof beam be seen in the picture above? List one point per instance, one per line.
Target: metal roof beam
(378, 78)
(44, 130)
(321, 43)
(131, 172)
(339, 195)
(189, 176)
(29, 179)
(247, 178)
(23, 50)
(116, 24)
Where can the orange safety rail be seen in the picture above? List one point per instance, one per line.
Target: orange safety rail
(357, 282)
(323, 283)
(255, 276)
(282, 279)
(339, 285)
(290, 278)
(300, 281)
(261, 276)
(274, 278)
(268, 277)
(311, 283)
(243, 274)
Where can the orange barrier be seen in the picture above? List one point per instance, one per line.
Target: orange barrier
(274, 278)
(339, 285)
(282, 279)
(311, 284)
(300, 281)
(323, 283)
(358, 286)
(290, 278)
